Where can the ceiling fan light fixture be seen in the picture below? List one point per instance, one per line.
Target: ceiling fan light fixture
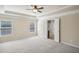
(35, 10)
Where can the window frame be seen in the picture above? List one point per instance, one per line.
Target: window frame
(35, 26)
(7, 27)
(32, 27)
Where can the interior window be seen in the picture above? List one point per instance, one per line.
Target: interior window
(32, 27)
(5, 27)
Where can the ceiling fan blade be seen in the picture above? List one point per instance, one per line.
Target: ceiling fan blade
(40, 11)
(41, 8)
(28, 9)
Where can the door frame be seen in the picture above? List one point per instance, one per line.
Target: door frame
(56, 29)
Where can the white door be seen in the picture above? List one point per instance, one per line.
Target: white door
(56, 29)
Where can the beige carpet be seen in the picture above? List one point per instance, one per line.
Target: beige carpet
(36, 45)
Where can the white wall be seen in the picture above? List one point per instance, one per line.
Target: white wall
(42, 27)
(56, 29)
(1, 9)
(43, 31)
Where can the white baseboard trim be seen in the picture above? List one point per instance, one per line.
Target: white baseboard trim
(73, 45)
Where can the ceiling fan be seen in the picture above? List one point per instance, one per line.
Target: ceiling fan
(35, 9)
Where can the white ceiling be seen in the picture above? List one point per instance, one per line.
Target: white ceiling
(22, 9)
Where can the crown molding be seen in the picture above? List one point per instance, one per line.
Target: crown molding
(62, 12)
(16, 17)
(56, 10)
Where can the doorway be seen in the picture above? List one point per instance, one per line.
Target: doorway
(50, 29)
(53, 29)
